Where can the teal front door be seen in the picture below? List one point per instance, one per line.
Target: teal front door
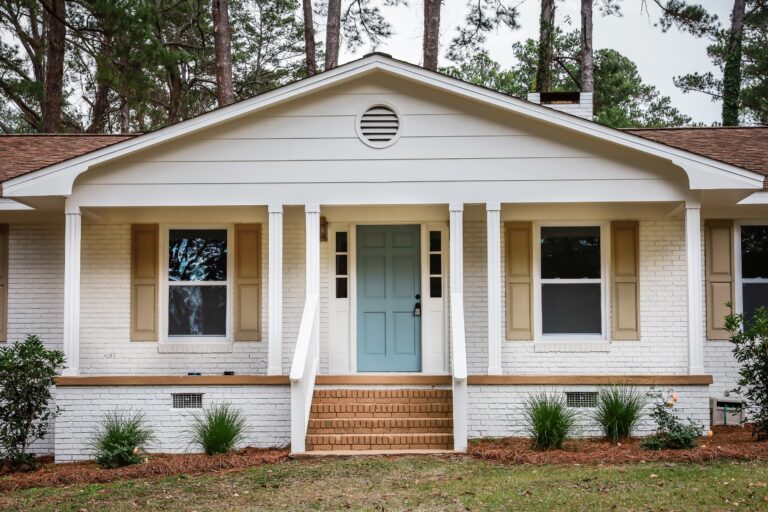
(388, 292)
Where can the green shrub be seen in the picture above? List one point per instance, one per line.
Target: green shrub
(671, 433)
(27, 373)
(549, 421)
(120, 438)
(619, 410)
(750, 349)
(219, 429)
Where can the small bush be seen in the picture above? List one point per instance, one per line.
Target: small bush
(619, 410)
(27, 373)
(550, 421)
(671, 433)
(219, 429)
(120, 439)
(750, 348)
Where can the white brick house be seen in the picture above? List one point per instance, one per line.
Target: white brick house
(377, 256)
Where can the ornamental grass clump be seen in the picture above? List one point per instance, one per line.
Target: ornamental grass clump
(120, 439)
(671, 433)
(219, 429)
(549, 421)
(619, 410)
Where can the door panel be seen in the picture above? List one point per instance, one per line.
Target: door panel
(389, 281)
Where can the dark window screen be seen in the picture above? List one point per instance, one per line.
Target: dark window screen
(571, 308)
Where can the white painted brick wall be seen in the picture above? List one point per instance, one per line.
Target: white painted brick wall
(497, 411)
(267, 410)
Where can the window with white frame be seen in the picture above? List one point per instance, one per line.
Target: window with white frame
(571, 281)
(197, 283)
(753, 248)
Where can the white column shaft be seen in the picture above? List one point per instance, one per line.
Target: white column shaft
(493, 215)
(275, 357)
(456, 248)
(72, 243)
(313, 248)
(695, 289)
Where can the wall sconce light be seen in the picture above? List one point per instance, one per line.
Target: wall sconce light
(323, 229)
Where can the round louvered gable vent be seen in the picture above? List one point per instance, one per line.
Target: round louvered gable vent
(379, 126)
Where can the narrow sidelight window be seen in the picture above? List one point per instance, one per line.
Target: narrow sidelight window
(571, 281)
(197, 282)
(754, 268)
(435, 264)
(342, 262)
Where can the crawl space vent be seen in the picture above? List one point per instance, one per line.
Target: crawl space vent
(379, 126)
(187, 400)
(581, 398)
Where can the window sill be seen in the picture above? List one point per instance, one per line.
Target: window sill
(194, 348)
(571, 346)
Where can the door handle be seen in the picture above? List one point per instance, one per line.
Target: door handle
(417, 309)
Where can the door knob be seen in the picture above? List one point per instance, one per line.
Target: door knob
(417, 309)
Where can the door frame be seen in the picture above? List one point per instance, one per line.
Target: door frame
(342, 313)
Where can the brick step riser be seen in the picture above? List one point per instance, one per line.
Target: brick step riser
(403, 394)
(376, 440)
(378, 415)
(382, 400)
(385, 430)
(364, 409)
(365, 447)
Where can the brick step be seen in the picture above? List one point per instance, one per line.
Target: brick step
(374, 410)
(382, 395)
(380, 426)
(380, 442)
(382, 400)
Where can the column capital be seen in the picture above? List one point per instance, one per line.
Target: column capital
(456, 207)
(312, 208)
(275, 208)
(493, 207)
(71, 207)
(693, 205)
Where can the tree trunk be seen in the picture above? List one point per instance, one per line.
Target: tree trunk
(222, 43)
(431, 33)
(174, 94)
(54, 66)
(732, 71)
(587, 51)
(125, 118)
(100, 107)
(309, 38)
(546, 41)
(332, 34)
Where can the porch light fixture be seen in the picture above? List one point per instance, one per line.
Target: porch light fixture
(323, 229)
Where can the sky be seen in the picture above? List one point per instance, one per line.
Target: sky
(659, 56)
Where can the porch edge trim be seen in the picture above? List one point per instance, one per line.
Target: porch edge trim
(648, 380)
(173, 380)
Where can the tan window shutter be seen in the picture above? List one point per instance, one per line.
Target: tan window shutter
(145, 272)
(719, 275)
(625, 280)
(247, 313)
(519, 280)
(3, 282)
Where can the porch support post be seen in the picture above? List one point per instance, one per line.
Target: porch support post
(695, 289)
(275, 356)
(460, 395)
(493, 237)
(312, 213)
(72, 243)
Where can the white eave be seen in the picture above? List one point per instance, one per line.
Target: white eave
(703, 173)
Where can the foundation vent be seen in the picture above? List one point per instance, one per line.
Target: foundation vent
(187, 400)
(581, 399)
(379, 126)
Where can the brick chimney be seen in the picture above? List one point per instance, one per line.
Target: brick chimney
(574, 103)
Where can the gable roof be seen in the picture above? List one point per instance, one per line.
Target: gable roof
(745, 147)
(703, 172)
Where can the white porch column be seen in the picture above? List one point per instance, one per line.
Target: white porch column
(312, 213)
(72, 236)
(275, 357)
(695, 290)
(460, 395)
(456, 247)
(493, 237)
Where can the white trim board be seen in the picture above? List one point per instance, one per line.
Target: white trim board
(703, 173)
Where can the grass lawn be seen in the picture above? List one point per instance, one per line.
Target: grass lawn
(423, 483)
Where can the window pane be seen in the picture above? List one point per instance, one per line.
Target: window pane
(341, 287)
(197, 255)
(755, 296)
(197, 310)
(434, 264)
(341, 241)
(754, 251)
(571, 309)
(434, 241)
(435, 287)
(570, 252)
(341, 264)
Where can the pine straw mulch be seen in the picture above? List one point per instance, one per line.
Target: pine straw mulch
(50, 474)
(733, 443)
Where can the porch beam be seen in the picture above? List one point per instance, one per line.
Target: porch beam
(72, 244)
(493, 237)
(695, 288)
(275, 349)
